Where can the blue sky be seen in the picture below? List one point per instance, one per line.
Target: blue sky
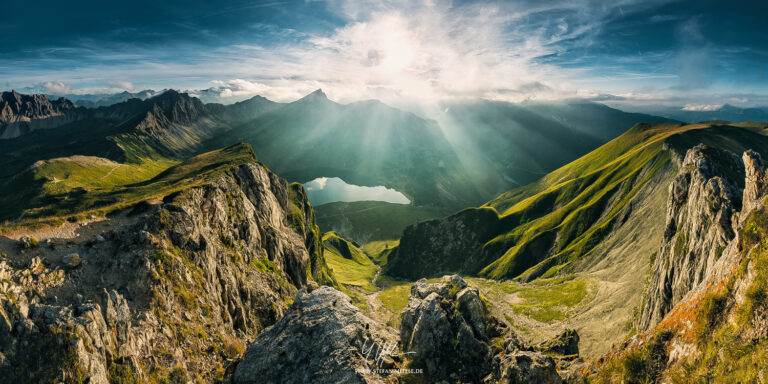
(625, 51)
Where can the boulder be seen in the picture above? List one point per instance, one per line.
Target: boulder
(323, 338)
(71, 260)
(445, 329)
(27, 242)
(566, 343)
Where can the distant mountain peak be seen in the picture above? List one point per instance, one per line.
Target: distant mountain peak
(255, 98)
(21, 114)
(172, 97)
(316, 95)
(171, 93)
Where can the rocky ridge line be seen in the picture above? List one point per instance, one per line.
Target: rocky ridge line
(167, 291)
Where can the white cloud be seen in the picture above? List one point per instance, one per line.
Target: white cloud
(702, 107)
(239, 87)
(120, 84)
(56, 87)
(428, 50)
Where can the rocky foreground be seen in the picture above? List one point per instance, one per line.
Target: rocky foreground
(165, 291)
(447, 334)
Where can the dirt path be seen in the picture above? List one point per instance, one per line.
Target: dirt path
(110, 172)
(376, 277)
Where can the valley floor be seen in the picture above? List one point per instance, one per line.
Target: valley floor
(598, 304)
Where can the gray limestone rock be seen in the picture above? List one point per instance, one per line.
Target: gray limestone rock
(323, 338)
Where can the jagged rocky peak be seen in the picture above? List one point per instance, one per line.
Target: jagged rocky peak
(710, 189)
(17, 107)
(20, 114)
(176, 106)
(754, 183)
(167, 289)
(318, 96)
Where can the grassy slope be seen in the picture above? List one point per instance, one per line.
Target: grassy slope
(546, 300)
(105, 196)
(348, 263)
(587, 195)
(379, 251)
(366, 221)
(544, 227)
(52, 180)
(592, 191)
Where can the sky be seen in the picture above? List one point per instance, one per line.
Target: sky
(698, 54)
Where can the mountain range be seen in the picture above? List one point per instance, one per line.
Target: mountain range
(364, 143)
(703, 113)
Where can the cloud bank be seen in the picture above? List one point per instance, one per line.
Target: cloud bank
(622, 51)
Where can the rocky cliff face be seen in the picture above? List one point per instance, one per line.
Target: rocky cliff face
(450, 245)
(705, 311)
(703, 199)
(20, 114)
(167, 291)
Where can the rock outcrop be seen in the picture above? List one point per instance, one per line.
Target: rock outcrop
(449, 332)
(520, 367)
(566, 343)
(166, 290)
(703, 199)
(442, 338)
(754, 184)
(448, 245)
(323, 338)
(20, 114)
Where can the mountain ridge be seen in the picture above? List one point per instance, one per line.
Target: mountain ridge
(563, 215)
(364, 143)
(20, 114)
